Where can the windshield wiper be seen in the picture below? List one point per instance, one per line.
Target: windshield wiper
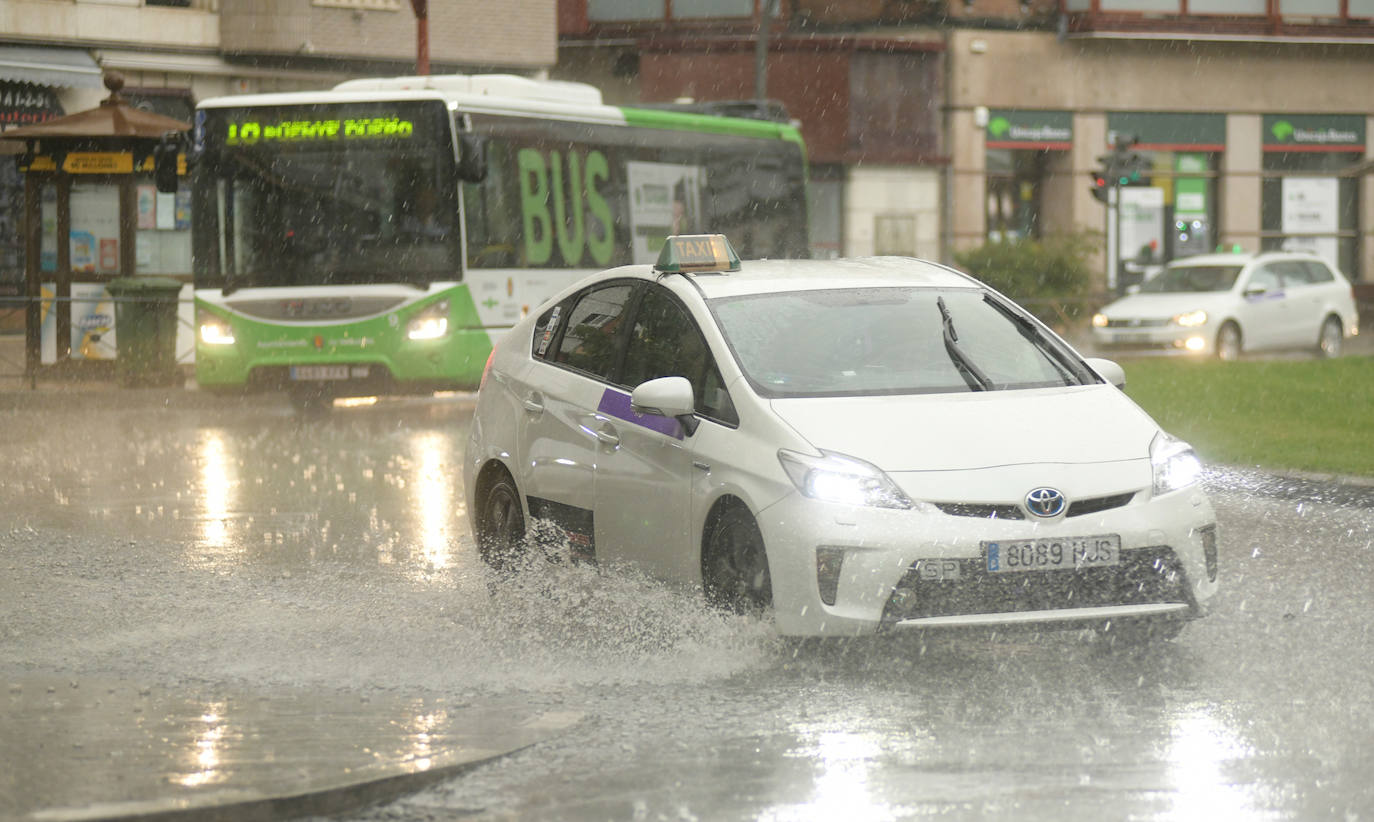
(1043, 346)
(972, 374)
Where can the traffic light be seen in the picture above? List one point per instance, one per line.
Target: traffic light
(1099, 185)
(1123, 167)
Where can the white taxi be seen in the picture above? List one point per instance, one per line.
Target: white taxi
(1226, 304)
(848, 445)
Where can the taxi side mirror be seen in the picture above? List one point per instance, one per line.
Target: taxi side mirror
(667, 397)
(1108, 370)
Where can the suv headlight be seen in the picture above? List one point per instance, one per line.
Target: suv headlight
(429, 323)
(837, 478)
(1173, 463)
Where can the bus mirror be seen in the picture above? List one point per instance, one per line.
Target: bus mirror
(166, 156)
(472, 158)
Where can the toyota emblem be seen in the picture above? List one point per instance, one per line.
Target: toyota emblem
(1045, 502)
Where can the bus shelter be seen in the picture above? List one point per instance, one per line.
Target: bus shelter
(93, 215)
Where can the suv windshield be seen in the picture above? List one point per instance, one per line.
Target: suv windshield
(1190, 278)
(863, 341)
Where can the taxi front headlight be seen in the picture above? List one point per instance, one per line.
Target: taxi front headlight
(837, 478)
(1191, 319)
(1099, 321)
(1173, 463)
(429, 323)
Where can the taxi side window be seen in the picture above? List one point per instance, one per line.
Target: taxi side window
(1294, 272)
(544, 330)
(664, 342)
(589, 339)
(1317, 272)
(1266, 278)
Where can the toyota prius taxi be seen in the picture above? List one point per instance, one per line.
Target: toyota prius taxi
(848, 446)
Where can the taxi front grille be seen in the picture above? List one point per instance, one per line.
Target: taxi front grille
(1145, 576)
(1077, 508)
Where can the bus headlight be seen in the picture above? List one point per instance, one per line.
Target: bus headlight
(214, 331)
(430, 323)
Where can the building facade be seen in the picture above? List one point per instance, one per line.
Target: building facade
(936, 125)
(174, 53)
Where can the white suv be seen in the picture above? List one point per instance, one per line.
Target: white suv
(1229, 303)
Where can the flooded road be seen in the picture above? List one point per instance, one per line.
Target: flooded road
(236, 544)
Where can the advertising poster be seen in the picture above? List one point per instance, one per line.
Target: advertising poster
(95, 219)
(147, 206)
(93, 322)
(1311, 206)
(665, 199)
(1142, 221)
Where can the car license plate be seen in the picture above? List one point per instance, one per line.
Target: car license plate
(1053, 554)
(326, 372)
(1133, 338)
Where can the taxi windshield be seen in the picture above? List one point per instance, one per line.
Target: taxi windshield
(1192, 278)
(873, 341)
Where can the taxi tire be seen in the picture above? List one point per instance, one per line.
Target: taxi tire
(734, 565)
(1330, 339)
(1229, 341)
(501, 525)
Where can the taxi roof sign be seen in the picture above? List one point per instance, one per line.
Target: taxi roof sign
(689, 253)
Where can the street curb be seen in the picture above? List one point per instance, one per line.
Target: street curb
(243, 806)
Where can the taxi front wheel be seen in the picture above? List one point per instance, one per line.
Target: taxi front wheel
(735, 567)
(501, 526)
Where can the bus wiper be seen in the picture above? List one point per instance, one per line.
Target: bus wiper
(972, 374)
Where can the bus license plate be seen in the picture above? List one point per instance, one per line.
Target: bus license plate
(319, 372)
(1053, 554)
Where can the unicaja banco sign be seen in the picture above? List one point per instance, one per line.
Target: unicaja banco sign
(1012, 128)
(1314, 132)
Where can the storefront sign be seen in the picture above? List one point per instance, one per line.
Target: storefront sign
(24, 104)
(1168, 131)
(1041, 130)
(1314, 132)
(88, 162)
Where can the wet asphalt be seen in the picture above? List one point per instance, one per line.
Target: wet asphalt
(219, 610)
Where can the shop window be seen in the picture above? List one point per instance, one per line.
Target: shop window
(94, 237)
(1307, 206)
(1015, 183)
(162, 243)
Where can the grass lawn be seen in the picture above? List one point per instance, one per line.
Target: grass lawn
(1309, 415)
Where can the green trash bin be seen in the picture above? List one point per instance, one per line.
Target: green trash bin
(145, 329)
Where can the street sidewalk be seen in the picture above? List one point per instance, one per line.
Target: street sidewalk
(87, 749)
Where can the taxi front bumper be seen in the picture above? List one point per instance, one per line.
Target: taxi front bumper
(925, 568)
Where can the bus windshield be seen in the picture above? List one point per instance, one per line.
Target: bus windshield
(327, 209)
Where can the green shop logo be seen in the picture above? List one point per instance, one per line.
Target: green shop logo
(1282, 131)
(999, 126)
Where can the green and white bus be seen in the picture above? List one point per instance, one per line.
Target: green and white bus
(377, 237)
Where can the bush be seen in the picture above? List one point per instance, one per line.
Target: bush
(1051, 277)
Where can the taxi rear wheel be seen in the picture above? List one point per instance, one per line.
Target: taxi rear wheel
(734, 565)
(500, 525)
(1330, 339)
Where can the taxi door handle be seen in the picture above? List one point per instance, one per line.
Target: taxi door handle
(606, 435)
(534, 403)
